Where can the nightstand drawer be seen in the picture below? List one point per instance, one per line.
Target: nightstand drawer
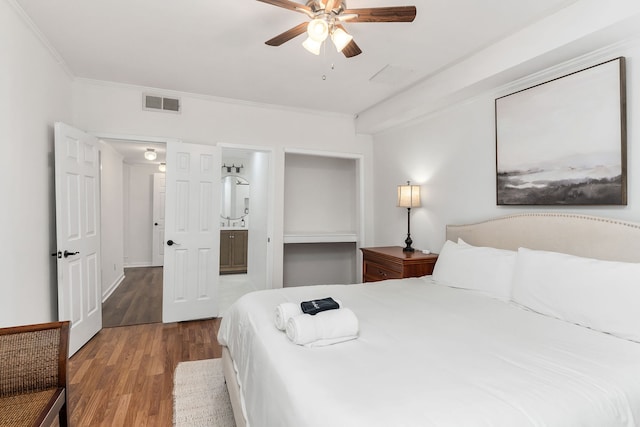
(391, 262)
(374, 272)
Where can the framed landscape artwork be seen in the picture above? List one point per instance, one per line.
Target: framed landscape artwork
(563, 142)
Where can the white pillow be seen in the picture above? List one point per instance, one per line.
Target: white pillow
(483, 269)
(601, 295)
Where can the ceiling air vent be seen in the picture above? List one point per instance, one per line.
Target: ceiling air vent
(160, 103)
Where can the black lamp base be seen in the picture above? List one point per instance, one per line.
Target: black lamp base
(408, 242)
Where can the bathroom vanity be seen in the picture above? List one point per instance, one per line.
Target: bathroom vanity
(234, 233)
(233, 251)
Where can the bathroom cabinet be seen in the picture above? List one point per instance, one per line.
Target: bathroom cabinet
(233, 251)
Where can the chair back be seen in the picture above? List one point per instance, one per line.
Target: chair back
(34, 358)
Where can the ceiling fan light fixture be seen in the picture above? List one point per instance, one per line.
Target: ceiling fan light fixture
(318, 30)
(150, 154)
(340, 38)
(312, 46)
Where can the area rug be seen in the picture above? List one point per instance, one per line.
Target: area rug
(200, 396)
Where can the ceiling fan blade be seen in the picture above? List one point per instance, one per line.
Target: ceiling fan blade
(291, 5)
(351, 50)
(383, 14)
(288, 35)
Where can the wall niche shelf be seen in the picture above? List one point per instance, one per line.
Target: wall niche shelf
(322, 217)
(320, 238)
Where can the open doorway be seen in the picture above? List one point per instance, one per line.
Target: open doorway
(245, 255)
(132, 189)
(132, 276)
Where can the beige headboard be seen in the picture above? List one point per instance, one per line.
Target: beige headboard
(582, 235)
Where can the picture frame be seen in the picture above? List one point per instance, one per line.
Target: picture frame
(564, 141)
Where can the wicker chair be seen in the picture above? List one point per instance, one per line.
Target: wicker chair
(33, 374)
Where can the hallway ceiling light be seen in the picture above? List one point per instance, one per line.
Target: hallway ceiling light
(162, 167)
(150, 154)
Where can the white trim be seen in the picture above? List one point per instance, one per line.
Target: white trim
(134, 138)
(112, 288)
(321, 238)
(567, 67)
(249, 147)
(139, 264)
(320, 153)
(218, 98)
(41, 37)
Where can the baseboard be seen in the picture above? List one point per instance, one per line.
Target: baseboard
(139, 264)
(112, 288)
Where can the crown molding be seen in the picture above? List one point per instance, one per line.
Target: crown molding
(44, 41)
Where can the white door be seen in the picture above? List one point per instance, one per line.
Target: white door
(159, 193)
(192, 232)
(77, 168)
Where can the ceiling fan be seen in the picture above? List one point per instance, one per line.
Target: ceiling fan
(327, 17)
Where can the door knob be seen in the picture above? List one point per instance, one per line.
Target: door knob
(155, 223)
(171, 243)
(68, 254)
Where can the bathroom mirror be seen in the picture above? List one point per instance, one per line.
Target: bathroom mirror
(234, 203)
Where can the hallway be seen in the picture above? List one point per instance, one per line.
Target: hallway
(138, 299)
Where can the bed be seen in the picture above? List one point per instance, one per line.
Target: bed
(545, 335)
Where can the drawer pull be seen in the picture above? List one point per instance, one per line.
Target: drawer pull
(382, 273)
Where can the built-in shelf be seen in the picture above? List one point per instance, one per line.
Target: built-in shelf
(320, 238)
(322, 218)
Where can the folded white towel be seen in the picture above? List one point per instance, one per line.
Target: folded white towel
(325, 328)
(287, 310)
(284, 312)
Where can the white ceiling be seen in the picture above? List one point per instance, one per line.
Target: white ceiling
(216, 47)
(132, 152)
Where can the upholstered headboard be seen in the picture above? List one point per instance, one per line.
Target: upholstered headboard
(582, 235)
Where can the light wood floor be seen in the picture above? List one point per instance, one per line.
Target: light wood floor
(137, 300)
(124, 376)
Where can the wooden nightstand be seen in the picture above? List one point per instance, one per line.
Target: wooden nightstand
(390, 262)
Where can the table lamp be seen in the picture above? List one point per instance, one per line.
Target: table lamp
(408, 197)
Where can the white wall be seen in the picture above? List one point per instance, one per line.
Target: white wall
(138, 214)
(584, 26)
(451, 153)
(111, 218)
(320, 263)
(321, 195)
(36, 92)
(109, 108)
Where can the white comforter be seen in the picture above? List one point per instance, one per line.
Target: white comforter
(430, 355)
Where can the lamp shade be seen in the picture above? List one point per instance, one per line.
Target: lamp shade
(340, 39)
(312, 46)
(408, 196)
(318, 30)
